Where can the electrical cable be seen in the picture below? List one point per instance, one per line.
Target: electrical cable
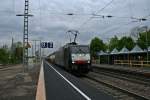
(95, 13)
(109, 3)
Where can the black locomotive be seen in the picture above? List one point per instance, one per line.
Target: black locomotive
(73, 57)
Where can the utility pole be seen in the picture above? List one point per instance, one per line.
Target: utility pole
(25, 33)
(12, 49)
(12, 43)
(35, 52)
(35, 47)
(147, 43)
(32, 52)
(108, 50)
(40, 53)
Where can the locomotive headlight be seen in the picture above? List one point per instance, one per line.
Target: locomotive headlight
(73, 62)
(88, 61)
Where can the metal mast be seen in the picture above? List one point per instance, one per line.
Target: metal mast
(25, 32)
(25, 35)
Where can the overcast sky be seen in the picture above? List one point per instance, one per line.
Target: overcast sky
(50, 22)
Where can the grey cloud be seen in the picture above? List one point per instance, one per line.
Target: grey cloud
(50, 22)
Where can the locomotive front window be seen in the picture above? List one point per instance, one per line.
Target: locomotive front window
(80, 49)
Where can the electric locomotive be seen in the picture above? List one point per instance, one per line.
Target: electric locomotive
(74, 57)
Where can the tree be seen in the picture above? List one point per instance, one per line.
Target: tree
(142, 40)
(113, 43)
(127, 42)
(18, 51)
(137, 30)
(19, 54)
(13, 55)
(96, 45)
(4, 56)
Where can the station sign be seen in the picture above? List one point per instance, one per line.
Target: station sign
(47, 45)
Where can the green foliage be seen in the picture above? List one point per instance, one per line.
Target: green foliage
(142, 39)
(18, 53)
(4, 56)
(12, 56)
(113, 43)
(96, 45)
(17, 44)
(127, 42)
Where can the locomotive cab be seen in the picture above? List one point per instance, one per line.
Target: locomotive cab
(80, 58)
(73, 57)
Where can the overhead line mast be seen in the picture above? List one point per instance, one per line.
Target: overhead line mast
(25, 32)
(25, 36)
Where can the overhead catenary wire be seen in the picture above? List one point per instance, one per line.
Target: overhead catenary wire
(118, 27)
(87, 14)
(135, 19)
(104, 7)
(95, 13)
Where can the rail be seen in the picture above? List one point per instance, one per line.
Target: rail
(120, 88)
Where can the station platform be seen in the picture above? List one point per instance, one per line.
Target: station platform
(61, 85)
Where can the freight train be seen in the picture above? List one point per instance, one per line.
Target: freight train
(73, 57)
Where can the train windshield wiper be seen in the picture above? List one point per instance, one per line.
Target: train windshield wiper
(82, 50)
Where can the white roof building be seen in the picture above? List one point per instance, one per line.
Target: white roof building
(136, 49)
(124, 51)
(115, 51)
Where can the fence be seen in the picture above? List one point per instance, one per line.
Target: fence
(132, 63)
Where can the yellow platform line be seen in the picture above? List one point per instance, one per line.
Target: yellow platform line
(40, 93)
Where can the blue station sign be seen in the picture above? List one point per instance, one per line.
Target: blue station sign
(47, 45)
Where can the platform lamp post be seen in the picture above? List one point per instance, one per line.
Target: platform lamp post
(147, 44)
(25, 33)
(146, 38)
(108, 51)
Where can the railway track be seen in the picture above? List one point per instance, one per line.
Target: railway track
(127, 77)
(3, 67)
(123, 75)
(125, 89)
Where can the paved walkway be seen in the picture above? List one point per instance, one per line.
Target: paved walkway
(15, 85)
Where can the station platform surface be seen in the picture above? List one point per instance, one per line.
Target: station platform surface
(61, 85)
